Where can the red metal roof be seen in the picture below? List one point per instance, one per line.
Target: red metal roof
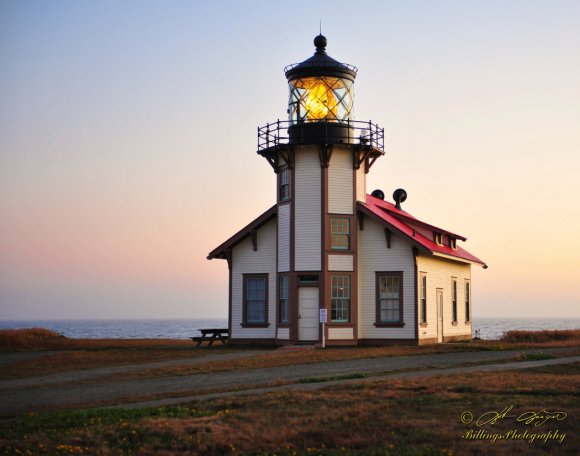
(403, 222)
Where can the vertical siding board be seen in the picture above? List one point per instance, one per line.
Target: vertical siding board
(247, 261)
(361, 184)
(307, 196)
(284, 238)
(374, 256)
(340, 184)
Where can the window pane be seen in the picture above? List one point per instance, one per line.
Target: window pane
(389, 297)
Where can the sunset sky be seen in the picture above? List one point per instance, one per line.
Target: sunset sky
(128, 142)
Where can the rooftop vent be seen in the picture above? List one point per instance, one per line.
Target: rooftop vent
(399, 195)
(378, 194)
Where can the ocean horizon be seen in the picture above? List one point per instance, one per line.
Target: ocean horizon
(184, 328)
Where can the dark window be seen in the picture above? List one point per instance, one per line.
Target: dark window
(340, 233)
(283, 299)
(454, 297)
(467, 302)
(255, 298)
(284, 179)
(340, 298)
(452, 243)
(389, 297)
(423, 298)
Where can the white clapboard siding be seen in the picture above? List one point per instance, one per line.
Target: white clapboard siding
(340, 333)
(284, 238)
(439, 273)
(340, 184)
(361, 184)
(283, 333)
(340, 262)
(247, 261)
(375, 256)
(308, 214)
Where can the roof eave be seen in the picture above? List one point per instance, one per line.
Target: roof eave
(220, 252)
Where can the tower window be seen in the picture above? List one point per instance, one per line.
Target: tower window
(340, 233)
(284, 184)
(437, 238)
(340, 298)
(283, 297)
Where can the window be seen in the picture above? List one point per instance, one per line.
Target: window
(467, 301)
(255, 299)
(283, 299)
(389, 297)
(423, 298)
(452, 242)
(284, 183)
(340, 233)
(454, 297)
(340, 298)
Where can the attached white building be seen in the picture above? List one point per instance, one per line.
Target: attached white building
(384, 276)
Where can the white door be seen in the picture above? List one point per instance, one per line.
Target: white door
(439, 314)
(308, 313)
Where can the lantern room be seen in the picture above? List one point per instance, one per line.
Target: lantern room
(321, 89)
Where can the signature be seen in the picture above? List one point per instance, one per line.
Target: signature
(535, 418)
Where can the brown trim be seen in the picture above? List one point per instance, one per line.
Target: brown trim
(388, 237)
(352, 316)
(424, 325)
(354, 247)
(428, 341)
(254, 238)
(245, 323)
(279, 184)
(467, 294)
(258, 342)
(395, 324)
(221, 251)
(292, 289)
(341, 342)
(328, 234)
(324, 278)
(454, 307)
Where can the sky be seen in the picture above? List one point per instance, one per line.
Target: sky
(128, 142)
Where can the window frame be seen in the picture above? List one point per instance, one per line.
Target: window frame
(340, 233)
(467, 301)
(284, 196)
(423, 298)
(454, 300)
(283, 301)
(395, 323)
(245, 321)
(341, 299)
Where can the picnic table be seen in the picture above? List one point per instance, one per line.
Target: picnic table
(211, 335)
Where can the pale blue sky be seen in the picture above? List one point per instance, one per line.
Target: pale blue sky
(128, 139)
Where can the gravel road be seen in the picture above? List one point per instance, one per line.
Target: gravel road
(19, 397)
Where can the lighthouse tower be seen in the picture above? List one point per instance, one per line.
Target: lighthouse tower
(380, 275)
(321, 156)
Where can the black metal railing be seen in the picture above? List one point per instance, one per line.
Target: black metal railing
(283, 132)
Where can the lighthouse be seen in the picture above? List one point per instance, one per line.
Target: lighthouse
(329, 251)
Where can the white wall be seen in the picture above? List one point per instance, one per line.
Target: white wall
(340, 182)
(361, 184)
(308, 209)
(247, 261)
(439, 275)
(375, 256)
(283, 238)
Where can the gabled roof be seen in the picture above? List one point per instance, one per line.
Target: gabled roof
(404, 223)
(222, 250)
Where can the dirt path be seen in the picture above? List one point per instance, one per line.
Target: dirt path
(18, 397)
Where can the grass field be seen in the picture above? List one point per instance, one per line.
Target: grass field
(431, 416)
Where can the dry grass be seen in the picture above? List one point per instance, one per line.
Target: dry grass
(420, 416)
(558, 336)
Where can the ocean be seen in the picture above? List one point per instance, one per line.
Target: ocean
(489, 328)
